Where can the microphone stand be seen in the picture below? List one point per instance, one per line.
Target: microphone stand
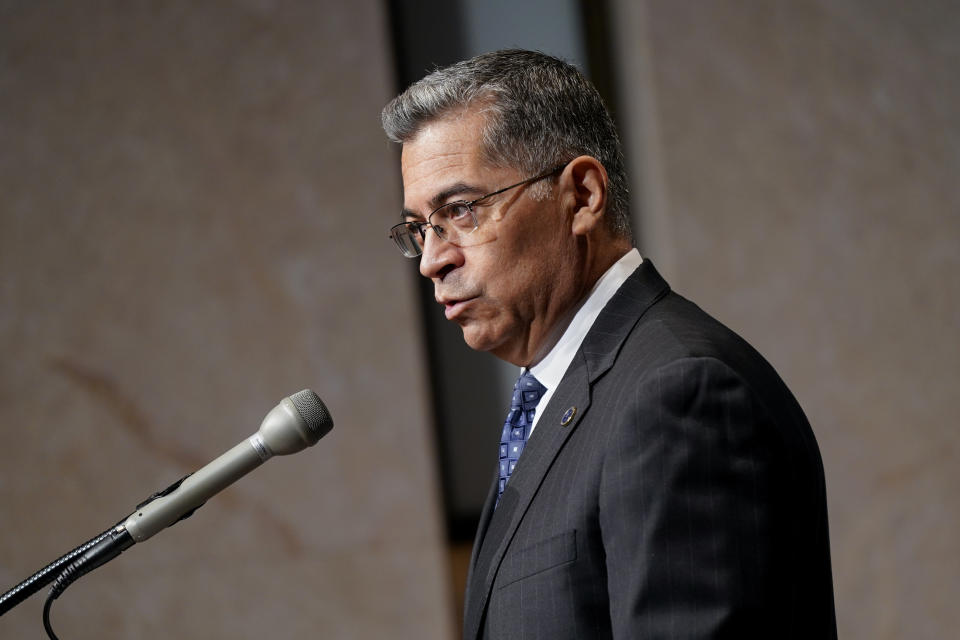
(111, 543)
(71, 566)
(48, 574)
(92, 551)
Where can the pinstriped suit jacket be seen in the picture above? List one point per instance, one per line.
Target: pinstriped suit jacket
(685, 499)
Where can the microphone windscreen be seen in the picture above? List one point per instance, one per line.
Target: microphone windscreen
(313, 411)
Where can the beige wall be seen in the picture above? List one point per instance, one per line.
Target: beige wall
(192, 226)
(797, 175)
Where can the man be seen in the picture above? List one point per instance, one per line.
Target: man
(656, 479)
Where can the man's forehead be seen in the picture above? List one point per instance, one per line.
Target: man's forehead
(452, 136)
(444, 159)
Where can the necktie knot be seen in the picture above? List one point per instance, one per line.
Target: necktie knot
(516, 428)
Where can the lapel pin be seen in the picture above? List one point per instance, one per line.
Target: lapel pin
(568, 416)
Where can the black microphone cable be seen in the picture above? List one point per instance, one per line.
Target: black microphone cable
(46, 617)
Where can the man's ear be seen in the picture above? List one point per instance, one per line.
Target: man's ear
(588, 179)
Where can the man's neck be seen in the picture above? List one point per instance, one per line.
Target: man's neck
(589, 284)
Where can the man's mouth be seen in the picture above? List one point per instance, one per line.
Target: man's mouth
(453, 307)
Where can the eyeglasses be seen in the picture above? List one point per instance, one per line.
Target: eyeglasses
(453, 222)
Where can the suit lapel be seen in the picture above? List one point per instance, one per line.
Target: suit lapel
(639, 292)
(597, 354)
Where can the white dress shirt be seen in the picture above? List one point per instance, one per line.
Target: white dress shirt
(550, 370)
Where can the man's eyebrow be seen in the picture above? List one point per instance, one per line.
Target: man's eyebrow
(441, 198)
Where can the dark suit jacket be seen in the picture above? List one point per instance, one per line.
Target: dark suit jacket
(684, 499)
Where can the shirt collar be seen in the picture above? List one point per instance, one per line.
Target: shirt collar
(550, 370)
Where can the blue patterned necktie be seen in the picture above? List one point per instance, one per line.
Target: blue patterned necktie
(516, 429)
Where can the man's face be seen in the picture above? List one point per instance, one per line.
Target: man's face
(518, 277)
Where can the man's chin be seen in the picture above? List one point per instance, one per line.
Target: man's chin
(493, 343)
(478, 338)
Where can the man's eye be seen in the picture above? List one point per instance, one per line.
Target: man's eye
(458, 211)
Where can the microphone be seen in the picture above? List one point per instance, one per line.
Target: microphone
(298, 422)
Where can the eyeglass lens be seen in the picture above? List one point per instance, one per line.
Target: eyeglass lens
(408, 239)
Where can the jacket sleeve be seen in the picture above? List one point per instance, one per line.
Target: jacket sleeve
(687, 510)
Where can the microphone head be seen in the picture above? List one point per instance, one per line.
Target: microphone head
(299, 421)
(313, 411)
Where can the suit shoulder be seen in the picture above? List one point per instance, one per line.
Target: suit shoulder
(675, 329)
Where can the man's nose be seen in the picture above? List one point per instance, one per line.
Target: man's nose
(439, 256)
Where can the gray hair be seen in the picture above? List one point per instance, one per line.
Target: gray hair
(540, 112)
